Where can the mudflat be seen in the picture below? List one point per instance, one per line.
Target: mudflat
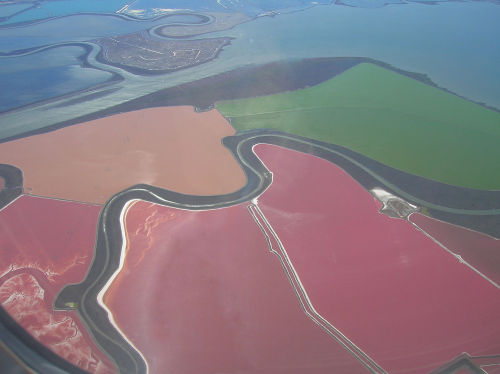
(173, 148)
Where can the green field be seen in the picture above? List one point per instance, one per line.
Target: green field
(389, 117)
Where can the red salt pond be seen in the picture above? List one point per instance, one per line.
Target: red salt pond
(200, 292)
(479, 250)
(44, 245)
(396, 294)
(218, 301)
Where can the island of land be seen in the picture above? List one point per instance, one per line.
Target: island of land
(141, 53)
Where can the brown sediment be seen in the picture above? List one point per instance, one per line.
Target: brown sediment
(173, 148)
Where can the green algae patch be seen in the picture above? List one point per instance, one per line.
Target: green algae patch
(389, 117)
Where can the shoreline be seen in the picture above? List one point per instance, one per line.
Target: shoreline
(203, 93)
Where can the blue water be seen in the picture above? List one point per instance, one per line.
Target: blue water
(12, 9)
(381, 3)
(47, 59)
(249, 7)
(454, 43)
(60, 8)
(25, 80)
(78, 28)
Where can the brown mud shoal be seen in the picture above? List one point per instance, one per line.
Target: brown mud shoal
(174, 148)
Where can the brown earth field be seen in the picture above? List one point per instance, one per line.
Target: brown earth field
(173, 148)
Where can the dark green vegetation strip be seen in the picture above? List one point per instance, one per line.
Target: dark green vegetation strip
(389, 117)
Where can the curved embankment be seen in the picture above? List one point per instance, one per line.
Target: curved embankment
(390, 118)
(84, 296)
(219, 21)
(210, 278)
(170, 148)
(475, 209)
(391, 290)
